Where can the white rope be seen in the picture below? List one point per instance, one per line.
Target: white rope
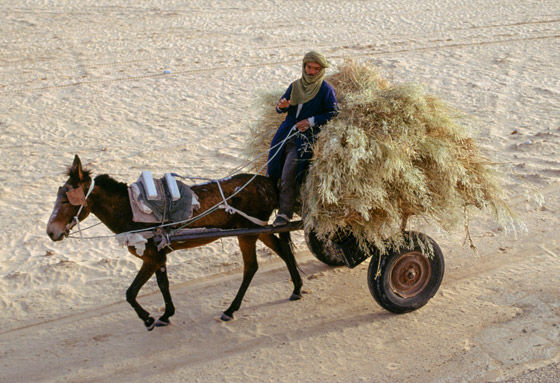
(255, 220)
(293, 131)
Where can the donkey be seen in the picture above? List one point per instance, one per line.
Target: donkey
(108, 200)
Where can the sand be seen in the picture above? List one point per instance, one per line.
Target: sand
(169, 87)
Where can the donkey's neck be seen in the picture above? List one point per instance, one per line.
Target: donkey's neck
(111, 204)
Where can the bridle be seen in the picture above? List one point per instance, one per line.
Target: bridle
(76, 197)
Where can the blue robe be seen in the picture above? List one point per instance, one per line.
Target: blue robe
(322, 107)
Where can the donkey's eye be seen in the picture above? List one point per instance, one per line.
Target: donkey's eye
(64, 199)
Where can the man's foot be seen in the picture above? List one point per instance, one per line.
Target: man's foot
(280, 220)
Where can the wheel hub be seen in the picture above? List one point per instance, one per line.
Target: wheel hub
(410, 274)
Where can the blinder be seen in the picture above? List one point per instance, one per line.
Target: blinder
(76, 197)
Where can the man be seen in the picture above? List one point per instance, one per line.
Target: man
(309, 102)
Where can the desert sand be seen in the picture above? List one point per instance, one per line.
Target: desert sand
(169, 86)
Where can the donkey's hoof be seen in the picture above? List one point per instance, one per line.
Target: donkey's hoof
(295, 297)
(150, 323)
(162, 322)
(226, 318)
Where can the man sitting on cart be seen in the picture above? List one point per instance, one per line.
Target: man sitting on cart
(309, 102)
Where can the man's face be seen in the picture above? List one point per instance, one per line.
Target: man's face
(311, 68)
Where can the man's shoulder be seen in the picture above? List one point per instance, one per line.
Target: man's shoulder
(326, 86)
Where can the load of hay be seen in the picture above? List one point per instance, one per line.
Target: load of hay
(393, 153)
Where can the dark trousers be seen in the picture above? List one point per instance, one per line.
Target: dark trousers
(288, 181)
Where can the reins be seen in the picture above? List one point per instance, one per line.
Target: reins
(220, 205)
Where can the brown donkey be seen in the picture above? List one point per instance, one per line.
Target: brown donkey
(108, 200)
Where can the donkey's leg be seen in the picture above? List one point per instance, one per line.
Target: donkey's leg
(146, 271)
(283, 249)
(247, 244)
(163, 283)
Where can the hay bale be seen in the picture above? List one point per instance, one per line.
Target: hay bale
(393, 152)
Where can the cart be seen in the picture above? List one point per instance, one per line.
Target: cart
(401, 281)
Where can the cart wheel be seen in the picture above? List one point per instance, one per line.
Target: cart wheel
(408, 279)
(323, 250)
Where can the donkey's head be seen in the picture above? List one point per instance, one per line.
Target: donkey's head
(70, 202)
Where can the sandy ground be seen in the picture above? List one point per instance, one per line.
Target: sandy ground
(89, 78)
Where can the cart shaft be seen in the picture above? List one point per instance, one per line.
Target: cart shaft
(220, 233)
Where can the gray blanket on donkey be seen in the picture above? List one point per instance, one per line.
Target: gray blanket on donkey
(164, 208)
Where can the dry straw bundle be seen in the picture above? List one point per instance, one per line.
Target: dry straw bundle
(392, 153)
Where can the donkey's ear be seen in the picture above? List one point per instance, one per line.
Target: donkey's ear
(77, 168)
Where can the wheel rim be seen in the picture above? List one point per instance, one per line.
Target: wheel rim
(410, 274)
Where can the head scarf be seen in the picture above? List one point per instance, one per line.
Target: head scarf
(308, 86)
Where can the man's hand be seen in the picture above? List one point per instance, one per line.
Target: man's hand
(283, 103)
(303, 125)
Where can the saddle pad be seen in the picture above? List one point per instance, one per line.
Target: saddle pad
(141, 211)
(138, 213)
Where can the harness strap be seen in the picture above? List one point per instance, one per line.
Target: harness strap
(231, 210)
(91, 186)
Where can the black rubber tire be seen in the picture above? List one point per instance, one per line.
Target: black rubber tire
(408, 279)
(323, 250)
